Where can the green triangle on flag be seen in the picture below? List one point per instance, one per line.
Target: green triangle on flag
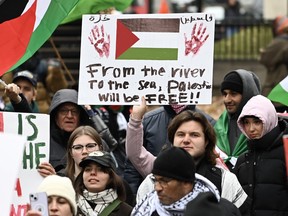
(93, 7)
(280, 92)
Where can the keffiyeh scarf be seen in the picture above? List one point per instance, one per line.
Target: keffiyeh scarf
(151, 202)
(101, 199)
(178, 108)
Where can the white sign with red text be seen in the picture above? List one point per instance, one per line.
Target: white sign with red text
(34, 129)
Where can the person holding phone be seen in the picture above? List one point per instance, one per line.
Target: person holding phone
(60, 194)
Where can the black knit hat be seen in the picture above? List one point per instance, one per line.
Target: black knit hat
(175, 163)
(232, 81)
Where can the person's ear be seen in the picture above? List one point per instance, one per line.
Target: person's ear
(34, 94)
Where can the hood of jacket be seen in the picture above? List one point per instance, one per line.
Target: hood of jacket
(251, 87)
(66, 96)
(261, 107)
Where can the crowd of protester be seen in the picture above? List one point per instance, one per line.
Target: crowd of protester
(123, 164)
(169, 160)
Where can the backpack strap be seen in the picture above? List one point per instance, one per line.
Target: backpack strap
(107, 211)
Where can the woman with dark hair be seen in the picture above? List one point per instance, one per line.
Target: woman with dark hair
(262, 170)
(99, 189)
(193, 132)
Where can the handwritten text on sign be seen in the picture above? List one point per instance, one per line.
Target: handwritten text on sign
(166, 58)
(35, 128)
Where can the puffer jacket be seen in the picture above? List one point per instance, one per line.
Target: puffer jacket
(262, 170)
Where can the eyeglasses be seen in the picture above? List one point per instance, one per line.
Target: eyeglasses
(163, 181)
(90, 147)
(65, 112)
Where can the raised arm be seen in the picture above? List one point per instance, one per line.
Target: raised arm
(141, 159)
(18, 100)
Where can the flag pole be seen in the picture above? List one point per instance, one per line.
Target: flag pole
(61, 60)
(3, 83)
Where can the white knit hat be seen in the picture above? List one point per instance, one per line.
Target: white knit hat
(59, 186)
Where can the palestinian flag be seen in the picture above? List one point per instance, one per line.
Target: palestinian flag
(280, 92)
(94, 7)
(147, 39)
(27, 27)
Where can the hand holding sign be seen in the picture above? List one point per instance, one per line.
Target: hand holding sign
(196, 41)
(100, 41)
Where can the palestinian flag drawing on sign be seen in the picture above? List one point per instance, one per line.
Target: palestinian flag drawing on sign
(167, 58)
(142, 39)
(25, 30)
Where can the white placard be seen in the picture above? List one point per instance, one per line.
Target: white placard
(35, 130)
(12, 147)
(168, 58)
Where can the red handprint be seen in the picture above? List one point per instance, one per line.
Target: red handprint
(100, 41)
(196, 41)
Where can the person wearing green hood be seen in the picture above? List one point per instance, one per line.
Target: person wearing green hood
(237, 88)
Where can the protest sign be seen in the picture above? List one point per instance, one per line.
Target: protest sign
(35, 129)
(10, 161)
(168, 58)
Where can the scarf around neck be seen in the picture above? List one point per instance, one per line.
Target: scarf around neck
(101, 199)
(152, 203)
(221, 129)
(178, 108)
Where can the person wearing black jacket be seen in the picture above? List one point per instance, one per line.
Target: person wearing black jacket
(262, 170)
